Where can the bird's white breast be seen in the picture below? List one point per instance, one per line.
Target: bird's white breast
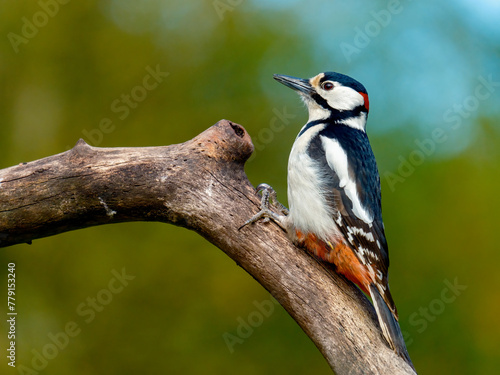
(309, 211)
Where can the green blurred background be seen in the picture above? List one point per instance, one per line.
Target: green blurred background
(433, 73)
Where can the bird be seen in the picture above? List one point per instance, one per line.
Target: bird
(334, 192)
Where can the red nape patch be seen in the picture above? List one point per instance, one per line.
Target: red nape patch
(367, 102)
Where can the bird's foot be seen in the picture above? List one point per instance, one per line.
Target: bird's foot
(265, 213)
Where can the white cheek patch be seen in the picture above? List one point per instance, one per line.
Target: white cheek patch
(344, 98)
(336, 158)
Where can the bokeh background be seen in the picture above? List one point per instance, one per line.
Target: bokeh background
(432, 70)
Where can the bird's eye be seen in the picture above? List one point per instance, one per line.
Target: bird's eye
(327, 85)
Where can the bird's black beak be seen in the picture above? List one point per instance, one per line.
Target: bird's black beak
(299, 84)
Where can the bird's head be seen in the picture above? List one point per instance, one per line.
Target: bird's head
(331, 96)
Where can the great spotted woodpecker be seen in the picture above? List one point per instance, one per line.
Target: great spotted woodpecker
(334, 192)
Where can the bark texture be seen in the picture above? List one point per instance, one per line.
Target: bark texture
(200, 185)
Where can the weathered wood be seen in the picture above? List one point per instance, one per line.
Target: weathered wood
(200, 185)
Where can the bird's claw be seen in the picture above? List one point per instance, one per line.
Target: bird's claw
(265, 213)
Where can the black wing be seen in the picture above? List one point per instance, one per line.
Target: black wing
(366, 238)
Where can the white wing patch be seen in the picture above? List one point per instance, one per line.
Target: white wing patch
(338, 220)
(359, 231)
(336, 158)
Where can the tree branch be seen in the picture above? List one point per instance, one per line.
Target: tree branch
(200, 185)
